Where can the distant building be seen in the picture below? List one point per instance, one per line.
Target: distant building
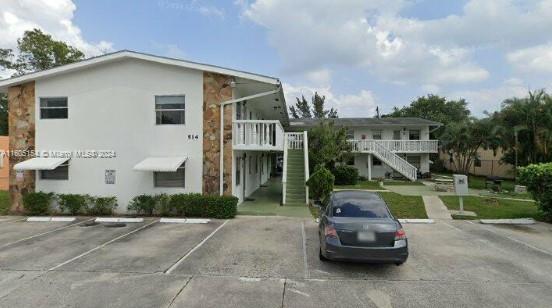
(488, 164)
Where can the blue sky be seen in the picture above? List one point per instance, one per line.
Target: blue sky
(359, 53)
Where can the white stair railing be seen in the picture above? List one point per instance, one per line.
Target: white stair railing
(400, 146)
(395, 161)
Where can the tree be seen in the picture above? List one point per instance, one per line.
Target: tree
(527, 128)
(435, 108)
(327, 145)
(303, 110)
(462, 140)
(37, 51)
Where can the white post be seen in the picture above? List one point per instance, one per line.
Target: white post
(307, 173)
(369, 167)
(461, 201)
(284, 170)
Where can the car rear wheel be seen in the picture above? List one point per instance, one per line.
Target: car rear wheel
(399, 263)
(321, 256)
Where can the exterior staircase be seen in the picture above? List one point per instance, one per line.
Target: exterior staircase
(296, 169)
(295, 188)
(395, 161)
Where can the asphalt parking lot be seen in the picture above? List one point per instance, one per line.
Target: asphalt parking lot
(266, 262)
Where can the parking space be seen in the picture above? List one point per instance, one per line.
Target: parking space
(267, 262)
(152, 250)
(49, 250)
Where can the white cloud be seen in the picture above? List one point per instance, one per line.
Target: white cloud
(532, 59)
(372, 35)
(54, 17)
(489, 99)
(362, 104)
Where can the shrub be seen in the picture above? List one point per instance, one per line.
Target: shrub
(362, 178)
(163, 205)
(143, 204)
(538, 179)
(73, 203)
(37, 203)
(102, 206)
(345, 175)
(198, 205)
(321, 183)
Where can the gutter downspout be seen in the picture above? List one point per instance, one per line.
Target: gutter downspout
(222, 104)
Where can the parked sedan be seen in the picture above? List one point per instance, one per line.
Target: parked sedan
(358, 226)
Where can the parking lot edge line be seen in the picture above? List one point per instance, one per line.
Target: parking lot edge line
(44, 233)
(174, 266)
(101, 246)
(305, 263)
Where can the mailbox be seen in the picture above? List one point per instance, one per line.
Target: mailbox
(460, 184)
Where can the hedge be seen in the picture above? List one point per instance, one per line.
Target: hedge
(40, 203)
(198, 205)
(345, 175)
(538, 179)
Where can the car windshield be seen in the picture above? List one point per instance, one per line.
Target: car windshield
(350, 207)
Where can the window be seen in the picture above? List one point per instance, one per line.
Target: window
(256, 165)
(60, 173)
(376, 161)
(238, 171)
(359, 207)
(170, 179)
(376, 134)
(477, 162)
(414, 134)
(170, 109)
(53, 108)
(350, 160)
(250, 164)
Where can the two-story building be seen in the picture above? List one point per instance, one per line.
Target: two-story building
(128, 123)
(386, 147)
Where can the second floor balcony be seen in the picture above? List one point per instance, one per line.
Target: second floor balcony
(396, 146)
(258, 135)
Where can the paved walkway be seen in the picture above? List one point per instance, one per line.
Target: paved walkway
(435, 208)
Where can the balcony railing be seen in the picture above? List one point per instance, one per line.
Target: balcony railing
(258, 135)
(396, 146)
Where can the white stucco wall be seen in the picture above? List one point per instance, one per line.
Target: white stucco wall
(111, 107)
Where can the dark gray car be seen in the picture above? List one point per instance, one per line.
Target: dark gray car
(357, 225)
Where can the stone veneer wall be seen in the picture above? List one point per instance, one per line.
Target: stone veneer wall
(215, 91)
(21, 121)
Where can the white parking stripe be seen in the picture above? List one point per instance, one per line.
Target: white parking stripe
(101, 246)
(174, 266)
(44, 233)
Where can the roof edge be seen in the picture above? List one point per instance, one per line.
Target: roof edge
(122, 54)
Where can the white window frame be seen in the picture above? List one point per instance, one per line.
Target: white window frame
(156, 173)
(183, 110)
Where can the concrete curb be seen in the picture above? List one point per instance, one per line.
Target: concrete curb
(518, 221)
(184, 220)
(416, 221)
(50, 219)
(119, 219)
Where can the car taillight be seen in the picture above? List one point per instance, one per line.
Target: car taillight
(329, 231)
(400, 235)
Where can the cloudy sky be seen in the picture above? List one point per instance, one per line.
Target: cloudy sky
(359, 53)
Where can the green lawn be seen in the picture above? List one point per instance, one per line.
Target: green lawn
(478, 182)
(4, 202)
(494, 208)
(360, 185)
(404, 206)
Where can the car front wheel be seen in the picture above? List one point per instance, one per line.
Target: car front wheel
(321, 256)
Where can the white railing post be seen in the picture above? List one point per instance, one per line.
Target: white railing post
(306, 153)
(284, 170)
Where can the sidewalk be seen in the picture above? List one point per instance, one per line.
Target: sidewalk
(435, 208)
